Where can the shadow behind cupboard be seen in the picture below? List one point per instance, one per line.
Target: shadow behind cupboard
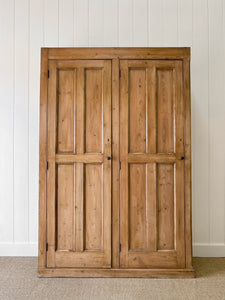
(115, 163)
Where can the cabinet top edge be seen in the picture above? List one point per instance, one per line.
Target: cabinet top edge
(117, 52)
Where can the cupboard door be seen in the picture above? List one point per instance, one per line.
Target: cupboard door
(79, 168)
(152, 165)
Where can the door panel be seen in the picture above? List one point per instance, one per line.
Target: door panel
(79, 173)
(93, 207)
(165, 111)
(152, 172)
(137, 207)
(137, 111)
(93, 110)
(165, 203)
(66, 110)
(65, 204)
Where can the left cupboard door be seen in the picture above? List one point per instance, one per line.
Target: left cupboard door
(79, 164)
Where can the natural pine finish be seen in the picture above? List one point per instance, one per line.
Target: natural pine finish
(42, 161)
(118, 199)
(79, 174)
(151, 209)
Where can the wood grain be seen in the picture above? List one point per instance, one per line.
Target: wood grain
(79, 175)
(43, 159)
(187, 147)
(66, 110)
(137, 208)
(127, 273)
(79, 203)
(165, 111)
(115, 163)
(165, 206)
(93, 110)
(151, 225)
(125, 53)
(51, 174)
(93, 207)
(65, 208)
(137, 110)
(151, 110)
(107, 165)
(147, 142)
(85, 158)
(79, 207)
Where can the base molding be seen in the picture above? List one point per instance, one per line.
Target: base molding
(209, 250)
(18, 249)
(132, 273)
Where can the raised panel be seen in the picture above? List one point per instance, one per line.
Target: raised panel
(93, 206)
(66, 110)
(65, 207)
(93, 110)
(137, 110)
(165, 205)
(165, 110)
(137, 207)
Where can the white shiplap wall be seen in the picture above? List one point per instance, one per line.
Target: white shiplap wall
(27, 25)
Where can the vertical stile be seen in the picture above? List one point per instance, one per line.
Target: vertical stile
(79, 183)
(51, 176)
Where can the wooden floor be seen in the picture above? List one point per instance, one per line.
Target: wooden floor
(19, 280)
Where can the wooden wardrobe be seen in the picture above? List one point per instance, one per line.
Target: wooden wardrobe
(115, 163)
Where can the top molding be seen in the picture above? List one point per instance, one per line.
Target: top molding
(122, 53)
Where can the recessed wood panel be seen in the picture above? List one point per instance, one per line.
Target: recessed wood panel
(65, 207)
(93, 206)
(66, 110)
(165, 110)
(137, 207)
(137, 110)
(165, 203)
(93, 110)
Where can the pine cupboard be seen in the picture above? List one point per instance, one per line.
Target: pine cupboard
(115, 163)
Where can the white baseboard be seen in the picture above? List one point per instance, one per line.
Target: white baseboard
(209, 250)
(16, 249)
(31, 249)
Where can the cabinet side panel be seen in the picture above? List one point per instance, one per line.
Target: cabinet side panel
(188, 180)
(42, 160)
